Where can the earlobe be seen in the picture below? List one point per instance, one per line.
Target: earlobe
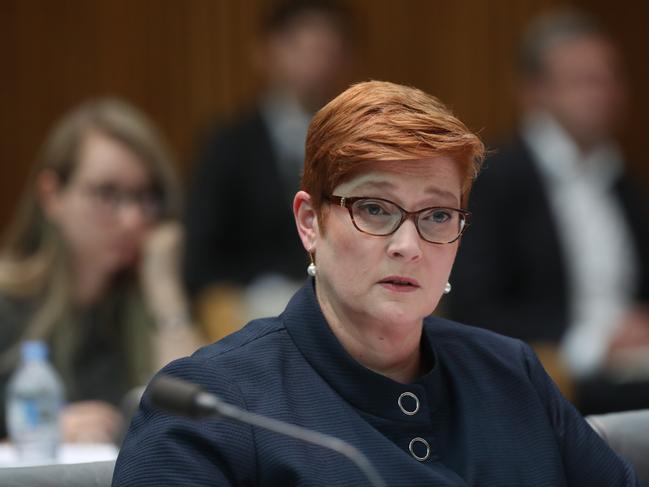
(306, 219)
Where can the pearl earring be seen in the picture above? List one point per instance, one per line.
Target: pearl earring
(312, 269)
(447, 288)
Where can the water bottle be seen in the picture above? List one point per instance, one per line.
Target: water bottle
(34, 402)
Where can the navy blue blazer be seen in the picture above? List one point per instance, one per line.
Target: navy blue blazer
(489, 412)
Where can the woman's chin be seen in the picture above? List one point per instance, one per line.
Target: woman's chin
(399, 316)
(119, 260)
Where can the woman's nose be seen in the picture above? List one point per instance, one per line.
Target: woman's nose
(405, 243)
(131, 216)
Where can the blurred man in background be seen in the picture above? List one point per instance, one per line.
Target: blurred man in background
(561, 257)
(240, 229)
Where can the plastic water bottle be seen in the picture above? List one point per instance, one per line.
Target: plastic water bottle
(34, 401)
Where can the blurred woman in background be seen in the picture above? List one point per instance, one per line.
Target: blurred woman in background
(90, 264)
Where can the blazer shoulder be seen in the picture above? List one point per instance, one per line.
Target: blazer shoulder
(225, 365)
(257, 333)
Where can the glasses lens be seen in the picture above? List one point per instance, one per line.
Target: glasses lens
(149, 203)
(375, 216)
(441, 225)
(110, 198)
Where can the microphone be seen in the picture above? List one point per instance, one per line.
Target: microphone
(187, 399)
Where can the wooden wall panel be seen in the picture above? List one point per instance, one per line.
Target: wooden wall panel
(188, 62)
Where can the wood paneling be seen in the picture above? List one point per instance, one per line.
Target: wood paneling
(188, 62)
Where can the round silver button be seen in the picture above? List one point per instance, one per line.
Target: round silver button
(418, 456)
(411, 411)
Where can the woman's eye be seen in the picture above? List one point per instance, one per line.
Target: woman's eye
(438, 216)
(107, 193)
(373, 209)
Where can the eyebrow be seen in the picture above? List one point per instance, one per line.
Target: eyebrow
(388, 185)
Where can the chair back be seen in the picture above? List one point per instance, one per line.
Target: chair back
(627, 433)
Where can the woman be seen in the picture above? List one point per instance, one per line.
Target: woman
(356, 353)
(84, 248)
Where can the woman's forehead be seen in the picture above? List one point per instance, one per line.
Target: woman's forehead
(438, 175)
(103, 156)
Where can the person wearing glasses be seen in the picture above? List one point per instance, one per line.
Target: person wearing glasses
(90, 264)
(356, 354)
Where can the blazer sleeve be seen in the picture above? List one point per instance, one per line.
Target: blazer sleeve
(587, 459)
(163, 449)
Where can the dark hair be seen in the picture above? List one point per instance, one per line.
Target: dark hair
(549, 30)
(282, 16)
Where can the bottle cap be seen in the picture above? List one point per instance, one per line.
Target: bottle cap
(33, 350)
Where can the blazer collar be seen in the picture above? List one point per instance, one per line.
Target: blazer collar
(366, 390)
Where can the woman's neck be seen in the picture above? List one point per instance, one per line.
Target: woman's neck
(392, 351)
(89, 283)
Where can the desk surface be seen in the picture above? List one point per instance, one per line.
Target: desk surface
(68, 453)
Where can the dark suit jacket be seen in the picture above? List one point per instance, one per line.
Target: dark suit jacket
(488, 411)
(239, 218)
(510, 274)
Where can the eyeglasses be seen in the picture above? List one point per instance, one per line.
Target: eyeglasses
(381, 217)
(110, 198)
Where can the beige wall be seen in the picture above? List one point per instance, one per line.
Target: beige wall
(187, 61)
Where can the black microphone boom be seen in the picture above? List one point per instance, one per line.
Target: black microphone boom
(187, 399)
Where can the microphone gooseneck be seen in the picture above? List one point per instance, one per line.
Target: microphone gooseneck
(184, 398)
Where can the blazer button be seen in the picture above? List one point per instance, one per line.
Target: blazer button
(420, 449)
(408, 403)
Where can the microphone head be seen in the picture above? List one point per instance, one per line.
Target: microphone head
(175, 395)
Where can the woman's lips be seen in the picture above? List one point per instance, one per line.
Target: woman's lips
(399, 284)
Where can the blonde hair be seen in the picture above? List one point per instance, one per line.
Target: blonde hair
(34, 261)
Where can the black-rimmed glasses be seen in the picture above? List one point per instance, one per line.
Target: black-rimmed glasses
(381, 217)
(110, 198)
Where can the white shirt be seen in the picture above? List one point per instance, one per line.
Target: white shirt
(288, 123)
(594, 236)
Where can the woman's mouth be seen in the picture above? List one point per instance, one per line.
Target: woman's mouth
(399, 284)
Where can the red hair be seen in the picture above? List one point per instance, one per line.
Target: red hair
(380, 121)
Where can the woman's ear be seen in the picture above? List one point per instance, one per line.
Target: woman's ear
(48, 192)
(306, 220)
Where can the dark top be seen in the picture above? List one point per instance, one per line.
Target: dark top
(239, 221)
(510, 274)
(100, 352)
(490, 414)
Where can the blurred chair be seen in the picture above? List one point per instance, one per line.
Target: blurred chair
(627, 433)
(93, 474)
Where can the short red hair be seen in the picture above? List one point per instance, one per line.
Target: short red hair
(380, 121)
